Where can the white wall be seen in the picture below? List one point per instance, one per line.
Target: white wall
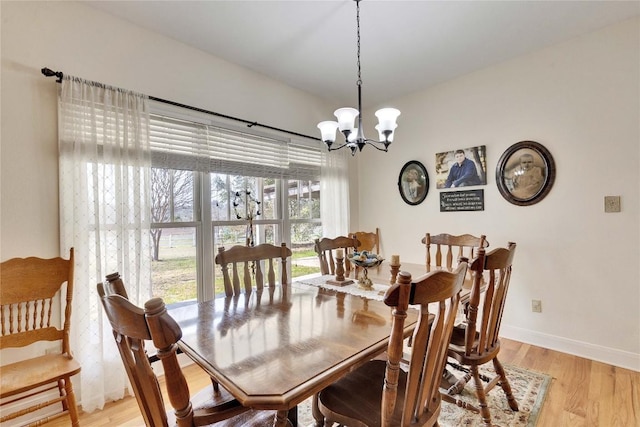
(580, 99)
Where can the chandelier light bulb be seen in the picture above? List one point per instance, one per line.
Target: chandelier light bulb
(387, 118)
(346, 116)
(381, 133)
(328, 131)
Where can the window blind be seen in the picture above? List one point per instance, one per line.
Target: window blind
(181, 143)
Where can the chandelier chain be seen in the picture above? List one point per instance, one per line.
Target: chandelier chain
(359, 82)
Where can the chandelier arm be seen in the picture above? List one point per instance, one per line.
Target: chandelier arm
(332, 148)
(373, 143)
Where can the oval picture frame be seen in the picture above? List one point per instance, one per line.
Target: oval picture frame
(525, 173)
(413, 182)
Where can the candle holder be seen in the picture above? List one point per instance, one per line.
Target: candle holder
(394, 274)
(340, 269)
(340, 280)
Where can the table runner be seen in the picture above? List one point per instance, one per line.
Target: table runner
(377, 293)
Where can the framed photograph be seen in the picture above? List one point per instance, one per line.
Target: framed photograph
(463, 167)
(413, 182)
(525, 173)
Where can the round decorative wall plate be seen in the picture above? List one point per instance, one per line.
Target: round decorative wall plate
(413, 182)
(525, 173)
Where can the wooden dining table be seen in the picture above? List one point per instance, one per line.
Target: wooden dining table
(274, 349)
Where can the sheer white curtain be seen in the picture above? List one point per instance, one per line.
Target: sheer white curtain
(334, 193)
(105, 165)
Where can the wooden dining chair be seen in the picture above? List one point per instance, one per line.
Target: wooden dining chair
(368, 240)
(325, 249)
(250, 262)
(114, 285)
(31, 290)
(132, 326)
(446, 245)
(380, 393)
(477, 341)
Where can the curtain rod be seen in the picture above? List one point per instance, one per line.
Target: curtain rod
(50, 73)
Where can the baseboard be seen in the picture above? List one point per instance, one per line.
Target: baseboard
(623, 359)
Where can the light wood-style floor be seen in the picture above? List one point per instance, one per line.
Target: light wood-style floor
(582, 392)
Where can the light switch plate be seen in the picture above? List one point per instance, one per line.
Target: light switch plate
(536, 306)
(612, 203)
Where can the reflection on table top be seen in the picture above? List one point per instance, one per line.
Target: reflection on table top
(274, 349)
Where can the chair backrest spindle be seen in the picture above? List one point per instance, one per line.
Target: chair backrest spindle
(325, 248)
(446, 245)
(248, 262)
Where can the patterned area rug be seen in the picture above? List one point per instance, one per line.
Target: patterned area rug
(529, 389)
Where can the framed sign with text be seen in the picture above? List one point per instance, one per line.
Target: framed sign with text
(467, 200)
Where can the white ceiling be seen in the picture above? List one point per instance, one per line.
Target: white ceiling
(405, 45)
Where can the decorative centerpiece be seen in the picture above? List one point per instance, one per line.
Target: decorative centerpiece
(365, 260)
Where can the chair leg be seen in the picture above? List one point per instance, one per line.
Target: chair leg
(216, 387)
(315, 411)
(459, 385)
(504, 383)
(461, 368)
(460, 403)
(482, 397)
(63, 393)
(71, 403)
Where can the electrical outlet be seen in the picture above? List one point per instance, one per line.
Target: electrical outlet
(612, 203)
(536, 306)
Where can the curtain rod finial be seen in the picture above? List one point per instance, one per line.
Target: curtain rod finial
(49, 73)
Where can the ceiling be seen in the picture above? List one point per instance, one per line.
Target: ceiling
(405, 45)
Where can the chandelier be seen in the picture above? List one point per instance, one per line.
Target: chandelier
(354, 136)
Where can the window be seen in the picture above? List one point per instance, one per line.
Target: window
(215, 185)
(303, 203)
(174, 234)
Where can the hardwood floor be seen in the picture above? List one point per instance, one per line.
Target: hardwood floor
(582, 392)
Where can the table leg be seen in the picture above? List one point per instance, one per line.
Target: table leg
(292, 416)
(281, 419)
